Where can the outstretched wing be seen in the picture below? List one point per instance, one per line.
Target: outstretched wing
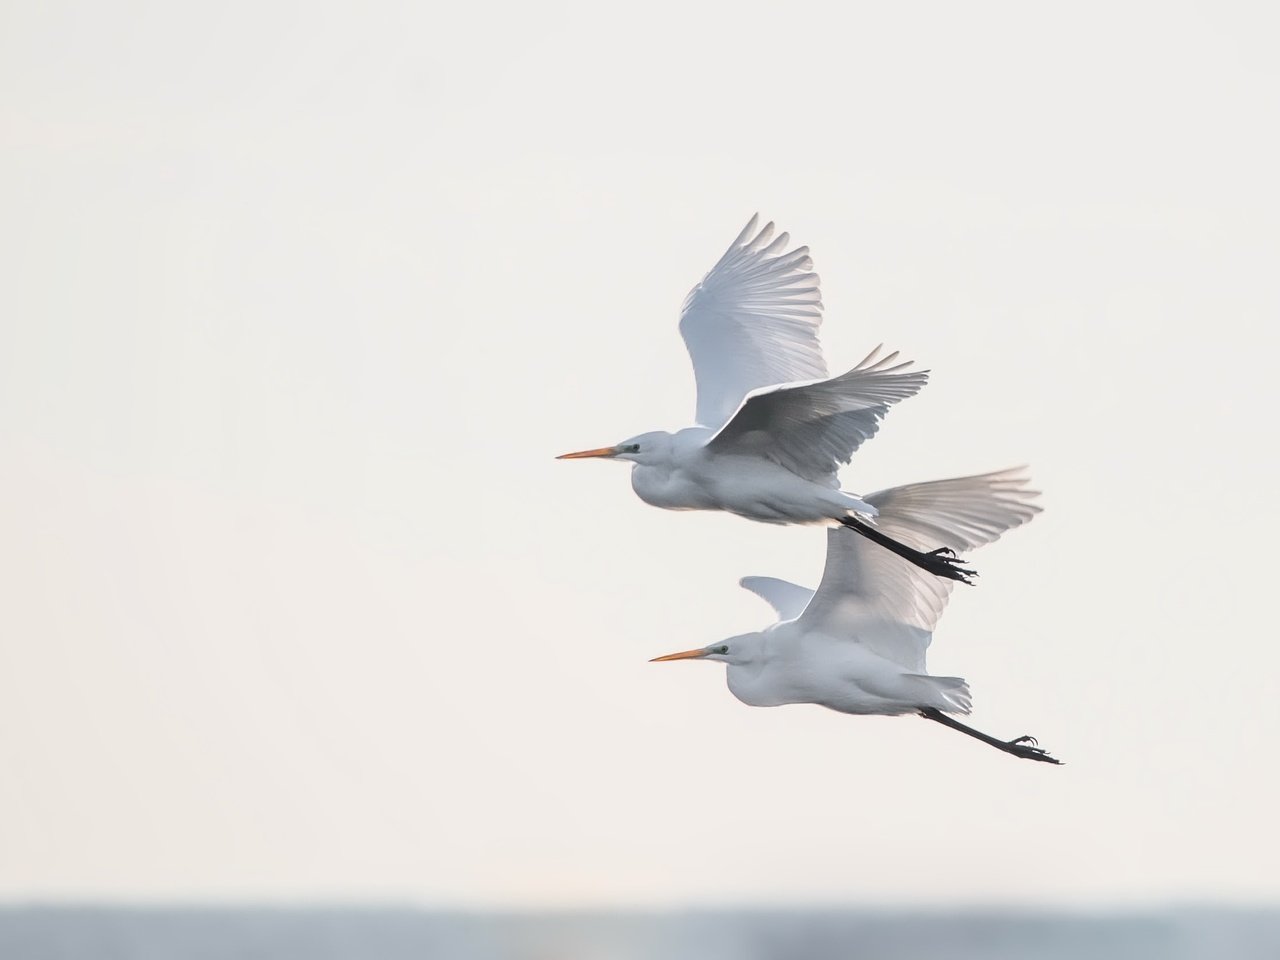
(875, 598)
(787, 598)
(812, 428)
(752, 322)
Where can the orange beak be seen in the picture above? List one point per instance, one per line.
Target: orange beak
(683, 655)
(583, 454)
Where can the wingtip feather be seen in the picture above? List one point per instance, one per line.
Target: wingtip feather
(749, 229)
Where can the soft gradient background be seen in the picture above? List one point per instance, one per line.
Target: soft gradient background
(300, 300)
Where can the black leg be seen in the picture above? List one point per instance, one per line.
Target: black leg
(941, 563)
(1022, 747)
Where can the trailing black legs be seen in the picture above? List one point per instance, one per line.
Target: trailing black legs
(941, 563)
(1022, 747)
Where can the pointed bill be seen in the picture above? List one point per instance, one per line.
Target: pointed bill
(583, 454)
(683, 655)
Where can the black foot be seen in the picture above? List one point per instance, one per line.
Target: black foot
(1025, 748)
(943, 562)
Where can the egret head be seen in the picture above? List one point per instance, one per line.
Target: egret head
(736, 651)
(652, 447)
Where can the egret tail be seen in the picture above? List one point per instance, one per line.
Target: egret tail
(1024, 747)
(941, 563)
(951, 694)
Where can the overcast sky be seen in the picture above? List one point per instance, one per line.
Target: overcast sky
(300, 301)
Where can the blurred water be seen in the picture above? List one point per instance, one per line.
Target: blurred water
(173, 933)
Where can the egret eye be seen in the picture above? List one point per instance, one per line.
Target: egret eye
(631, 448)
(723, 648)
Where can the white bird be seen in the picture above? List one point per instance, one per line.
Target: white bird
(772, 429)
(857, 644)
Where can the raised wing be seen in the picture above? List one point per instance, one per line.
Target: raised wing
(752, 322)
(787, 598)
(812, 428)
(870, 596)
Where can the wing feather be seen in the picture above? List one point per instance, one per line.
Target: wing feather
(787, 598)
(812, 428)
(877, 599)
(752, 322)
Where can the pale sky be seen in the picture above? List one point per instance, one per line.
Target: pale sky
(300, 301)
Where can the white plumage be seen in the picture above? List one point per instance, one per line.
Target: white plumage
(752, 322)
(857, 644)
(772, 429)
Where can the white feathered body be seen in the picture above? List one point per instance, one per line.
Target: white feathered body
(794, 665)
(695, 477)
(857, 643)
(772, 427)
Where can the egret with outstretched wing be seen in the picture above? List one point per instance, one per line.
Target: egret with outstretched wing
(772, 428)
(857, 644)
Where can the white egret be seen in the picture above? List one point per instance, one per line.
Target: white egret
(772, 429)
(857, 644)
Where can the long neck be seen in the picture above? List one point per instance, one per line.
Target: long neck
(753, 681)
(656, 481)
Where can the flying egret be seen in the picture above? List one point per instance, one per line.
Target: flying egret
(772, 428)
(857, 644)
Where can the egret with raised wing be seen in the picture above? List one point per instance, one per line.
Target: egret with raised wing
(772, 428)
(857, 644)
